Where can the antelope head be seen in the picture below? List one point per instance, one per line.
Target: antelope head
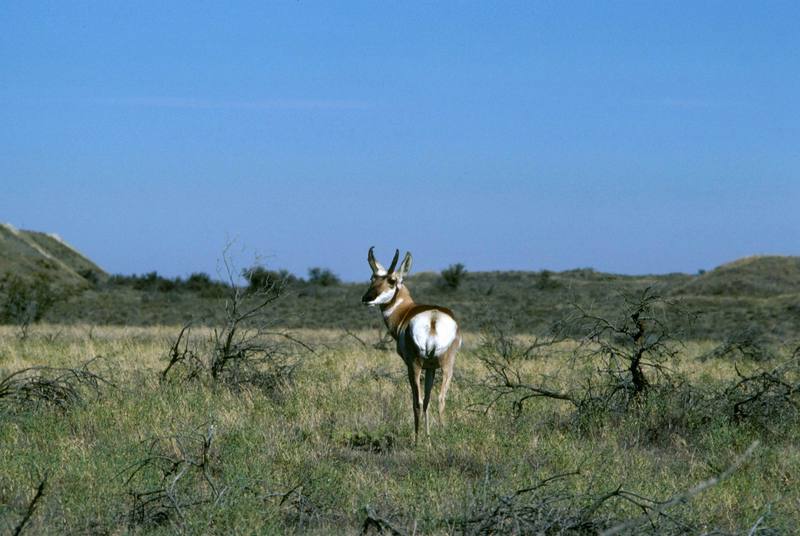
(384, 283)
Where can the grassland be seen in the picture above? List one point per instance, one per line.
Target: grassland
(334, 447)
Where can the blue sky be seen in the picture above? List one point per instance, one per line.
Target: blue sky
(632, 137)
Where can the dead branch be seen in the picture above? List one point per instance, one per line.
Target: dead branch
(536, 509)
(685, 496)
(384, 339)
(31, 508)
(352, 334)
(301, 506)
(503, 357)
(184, 462)
(181, 354)
(379, 524)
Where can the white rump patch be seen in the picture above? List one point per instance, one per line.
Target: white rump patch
(434, 344)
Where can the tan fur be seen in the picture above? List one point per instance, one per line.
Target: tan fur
(403, 309)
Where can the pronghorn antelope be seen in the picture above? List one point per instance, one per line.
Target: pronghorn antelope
(427, 335)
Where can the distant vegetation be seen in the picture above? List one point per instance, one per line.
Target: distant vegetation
(200, 283)
(453, 276)
(546, 281)
(259, 277)
(23, 301)
(323, 277)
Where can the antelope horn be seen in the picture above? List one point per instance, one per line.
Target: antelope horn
(375, 265)
(394, 260)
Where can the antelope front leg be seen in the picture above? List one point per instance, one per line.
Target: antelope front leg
(414, 372)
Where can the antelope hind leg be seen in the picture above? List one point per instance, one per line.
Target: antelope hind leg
(447, 375)
(416, 396)
(430, 374)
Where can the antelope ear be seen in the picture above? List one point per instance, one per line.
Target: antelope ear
(377, 268)
(405, 266)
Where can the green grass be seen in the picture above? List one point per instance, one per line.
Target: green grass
(341, 438)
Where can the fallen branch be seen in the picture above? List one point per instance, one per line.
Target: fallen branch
(32, 505)
(378, 523)
(179, 458)
(686, 495)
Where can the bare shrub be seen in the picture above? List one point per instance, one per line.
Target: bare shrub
(765, 396)
(245, 350)
(625, 358)
(49, 386)
(655, 515)
(545, 507)
(183, 357)
(635, 349)
(301, 506)
(174, 475)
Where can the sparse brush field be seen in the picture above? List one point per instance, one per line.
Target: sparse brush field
(329, 448)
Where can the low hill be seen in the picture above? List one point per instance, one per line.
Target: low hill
(28, 254)
(762, 276)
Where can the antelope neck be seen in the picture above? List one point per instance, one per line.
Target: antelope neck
(395, 309)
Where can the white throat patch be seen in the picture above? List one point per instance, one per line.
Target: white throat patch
(384, 297)
(388, 312)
